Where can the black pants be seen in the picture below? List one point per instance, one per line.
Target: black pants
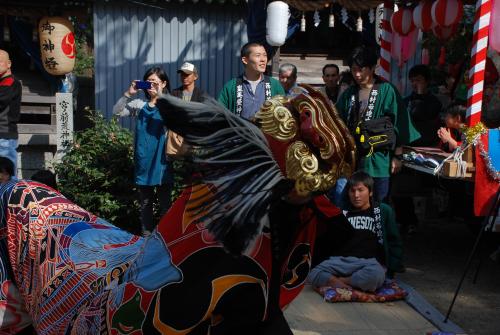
(147, 197)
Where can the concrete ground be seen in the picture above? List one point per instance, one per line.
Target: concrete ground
(435, 259)
(308, 314)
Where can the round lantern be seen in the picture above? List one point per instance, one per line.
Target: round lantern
(277, 23)
(403, 47)
(494, 39)
(422, 16)
(444, 33)
(447, 12)
(402, 21)
(57, 45)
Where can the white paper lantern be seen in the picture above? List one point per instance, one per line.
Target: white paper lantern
(57, 45)
(331, 21)
(422, 15)
(277, 23)
(402, 21)
(359, 24)
(447, 13)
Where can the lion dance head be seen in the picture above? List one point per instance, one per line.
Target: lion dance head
(310, 142)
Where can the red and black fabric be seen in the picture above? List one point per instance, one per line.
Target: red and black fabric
(10, 106)
(244, 293)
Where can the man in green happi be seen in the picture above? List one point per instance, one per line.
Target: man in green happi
(372, 98)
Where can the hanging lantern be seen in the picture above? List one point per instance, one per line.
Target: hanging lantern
(303, 23)
(404, 47)
(402, 21)
(359, 23)
(444, 33)
(331, 21)
(57, 45)
(277, 23)
(494, 39)
(422, 16)
(447, 12)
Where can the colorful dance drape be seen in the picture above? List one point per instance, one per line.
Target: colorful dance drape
(66, 271)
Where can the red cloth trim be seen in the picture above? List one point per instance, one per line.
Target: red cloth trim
(325, 206)
(7, 81)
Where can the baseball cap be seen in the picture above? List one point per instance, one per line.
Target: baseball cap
(188, 68)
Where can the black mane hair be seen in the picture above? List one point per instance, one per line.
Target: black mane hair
(231, 154)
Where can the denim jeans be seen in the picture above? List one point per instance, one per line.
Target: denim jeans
(380, 189)
(338, 194)
(8, 149)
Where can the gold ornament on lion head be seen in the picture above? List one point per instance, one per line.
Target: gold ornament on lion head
(310, 142)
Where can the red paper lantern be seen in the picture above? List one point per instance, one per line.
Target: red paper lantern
(402, 21)
(444, 33)
(447, 12)
(422, 16)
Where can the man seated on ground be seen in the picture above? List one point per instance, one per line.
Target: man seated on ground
(372, 247)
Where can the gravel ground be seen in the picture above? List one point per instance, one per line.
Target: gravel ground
(435, 259)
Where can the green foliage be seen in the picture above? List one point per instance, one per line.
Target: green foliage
(84, 62)
(97, 172)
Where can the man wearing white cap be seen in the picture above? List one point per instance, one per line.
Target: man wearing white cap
(188, 91)
(176, 147)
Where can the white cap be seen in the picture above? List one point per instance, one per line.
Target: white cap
(188, 68)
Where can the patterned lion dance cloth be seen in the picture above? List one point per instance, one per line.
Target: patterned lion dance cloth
(230, 253)
(67, 271)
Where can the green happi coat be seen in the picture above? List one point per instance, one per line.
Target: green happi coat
(227, 96)
(389, 103)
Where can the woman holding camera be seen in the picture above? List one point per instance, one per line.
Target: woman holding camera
(151, 175)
